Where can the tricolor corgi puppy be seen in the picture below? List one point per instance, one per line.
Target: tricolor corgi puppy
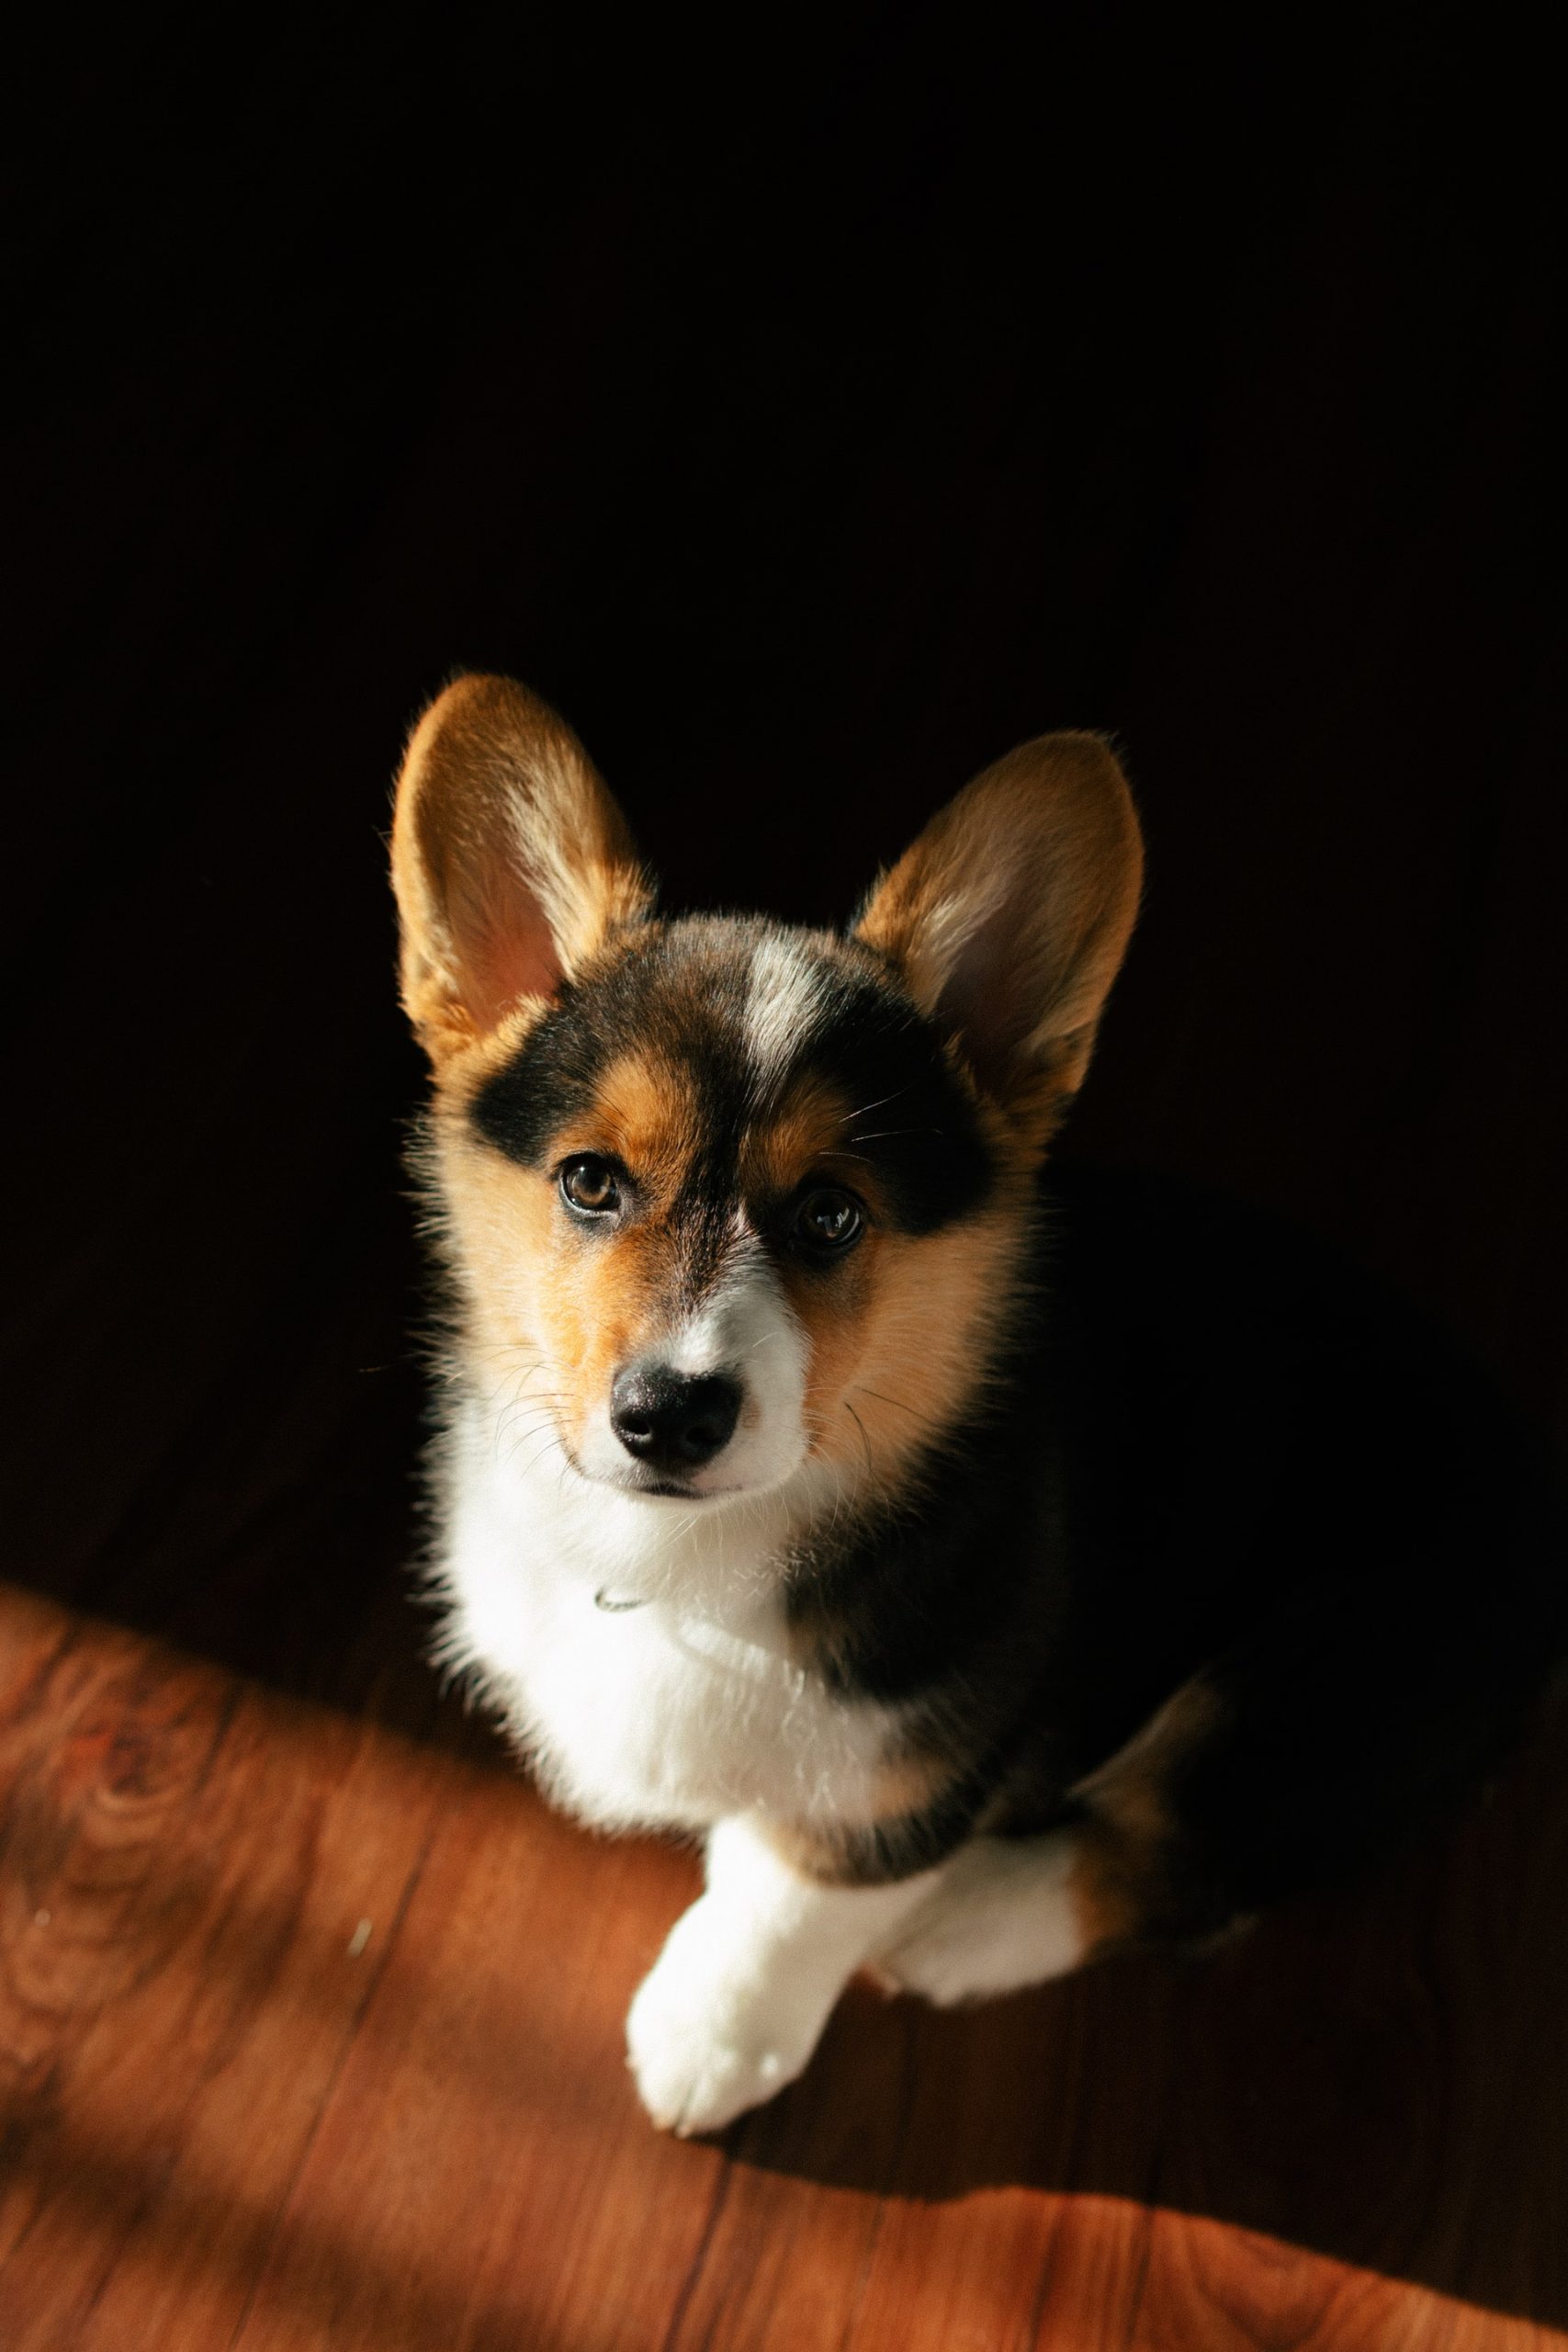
(961, 1560)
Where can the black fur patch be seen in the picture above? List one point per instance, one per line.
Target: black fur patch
(1221, 1463)
(682, 990)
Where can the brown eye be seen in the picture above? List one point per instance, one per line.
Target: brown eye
(827, 1221)
(588, 1184)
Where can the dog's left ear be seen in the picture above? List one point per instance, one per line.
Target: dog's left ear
(1009, 918)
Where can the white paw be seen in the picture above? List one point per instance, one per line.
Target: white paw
(707, 2034)
(1002, 1916)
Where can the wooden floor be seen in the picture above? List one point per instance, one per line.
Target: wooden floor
(311, 2034)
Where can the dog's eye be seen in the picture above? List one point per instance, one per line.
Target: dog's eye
(588, 1184)
(827, 1221)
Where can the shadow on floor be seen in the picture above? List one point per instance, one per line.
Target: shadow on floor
(1380, 2075)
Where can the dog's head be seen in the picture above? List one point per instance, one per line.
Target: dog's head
(724, 1196)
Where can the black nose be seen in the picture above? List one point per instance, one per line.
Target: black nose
(673, 1422)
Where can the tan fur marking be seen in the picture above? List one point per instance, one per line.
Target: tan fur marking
(500, 1219)
(603, 1302)
(898, 1345)
(1130, 1791)
(909, 1781)
(813, 1853)
(561, 1317)
(1126, 1840)
(645, 1113)
(804, 1137)
(1103, 1887)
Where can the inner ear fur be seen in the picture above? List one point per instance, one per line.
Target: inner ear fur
(1009, 918)
(511, 862)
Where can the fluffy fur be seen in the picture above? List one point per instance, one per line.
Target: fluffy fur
(958, 1555)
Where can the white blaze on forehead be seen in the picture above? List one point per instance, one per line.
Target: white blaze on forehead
(789, 989)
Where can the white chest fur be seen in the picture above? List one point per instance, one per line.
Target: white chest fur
(674, 1714)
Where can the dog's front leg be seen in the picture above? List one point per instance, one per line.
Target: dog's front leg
(735, 2004)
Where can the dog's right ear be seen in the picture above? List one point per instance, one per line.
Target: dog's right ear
(511, 862)
(1009, 918)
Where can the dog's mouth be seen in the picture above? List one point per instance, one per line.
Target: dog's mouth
(652, 1487)
(668, 1491)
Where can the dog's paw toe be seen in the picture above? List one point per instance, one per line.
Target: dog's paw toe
(689, 2082)
(702, 2050)
(1003, 1917)
(948, 1963)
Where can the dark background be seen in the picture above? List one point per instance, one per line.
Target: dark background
(811, 420)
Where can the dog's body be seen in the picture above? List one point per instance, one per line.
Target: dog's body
(992, 1573)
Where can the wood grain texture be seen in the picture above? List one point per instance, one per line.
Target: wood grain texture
(229, 2128)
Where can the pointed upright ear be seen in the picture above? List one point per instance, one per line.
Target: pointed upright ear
(511, 862)
(1009, 916)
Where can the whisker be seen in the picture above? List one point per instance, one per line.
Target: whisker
(926, 1420)
(891, 1135)
(876, 1105)
(860, 1425)
(523, 1404)
(534, 1459)
(522, 1437)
